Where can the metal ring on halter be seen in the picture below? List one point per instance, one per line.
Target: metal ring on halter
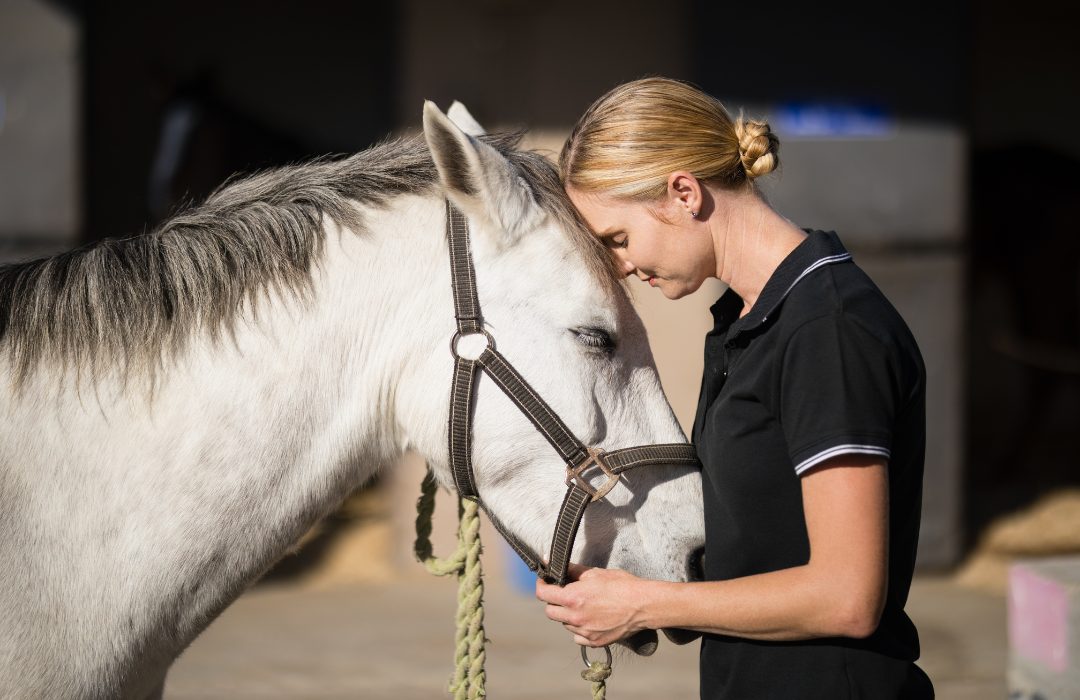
(458, 335)
(585, 655)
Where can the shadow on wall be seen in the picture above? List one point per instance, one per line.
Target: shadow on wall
(1024, 329)
(202, 141)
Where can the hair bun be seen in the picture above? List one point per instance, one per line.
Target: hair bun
(758, 147)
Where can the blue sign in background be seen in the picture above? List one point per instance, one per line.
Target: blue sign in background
(808, 119)
(521, 577)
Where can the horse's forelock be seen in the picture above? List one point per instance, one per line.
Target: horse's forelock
(544, 180)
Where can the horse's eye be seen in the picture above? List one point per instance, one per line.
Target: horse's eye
(596, 338)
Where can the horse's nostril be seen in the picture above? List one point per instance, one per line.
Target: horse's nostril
(696, 565)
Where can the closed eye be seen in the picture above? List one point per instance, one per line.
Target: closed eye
(614, 238)
(595, 338)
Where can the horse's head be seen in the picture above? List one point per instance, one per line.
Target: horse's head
(551, 299)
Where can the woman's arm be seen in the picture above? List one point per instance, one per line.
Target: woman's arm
(839, 592)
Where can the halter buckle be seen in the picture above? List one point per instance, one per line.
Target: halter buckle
(576, 474)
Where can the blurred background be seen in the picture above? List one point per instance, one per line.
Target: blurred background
(936, 138)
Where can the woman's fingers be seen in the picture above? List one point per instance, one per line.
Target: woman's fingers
(550, 593)
(557, 613)
(586, 607)
(585, 637)
(576, 570)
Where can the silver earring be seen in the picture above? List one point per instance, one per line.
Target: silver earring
(693, 214)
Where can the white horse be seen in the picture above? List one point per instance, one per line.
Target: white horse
(180, 407)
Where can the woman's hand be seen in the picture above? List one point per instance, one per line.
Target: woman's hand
(840, 592)
(600, 607)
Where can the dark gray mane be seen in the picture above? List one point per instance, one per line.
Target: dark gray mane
(136, 301)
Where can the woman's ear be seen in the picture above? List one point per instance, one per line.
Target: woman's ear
(684, 191)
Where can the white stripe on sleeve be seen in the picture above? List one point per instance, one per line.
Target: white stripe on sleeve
(840, 450)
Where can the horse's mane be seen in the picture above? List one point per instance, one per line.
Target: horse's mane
(135, 301)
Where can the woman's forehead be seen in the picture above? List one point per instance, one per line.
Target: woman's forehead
(604, 214)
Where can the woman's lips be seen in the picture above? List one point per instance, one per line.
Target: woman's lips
(652, 281)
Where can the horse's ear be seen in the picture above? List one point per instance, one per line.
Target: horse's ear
(479, 179)
(465, 121)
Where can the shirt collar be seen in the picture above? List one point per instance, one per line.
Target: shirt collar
(818, 249)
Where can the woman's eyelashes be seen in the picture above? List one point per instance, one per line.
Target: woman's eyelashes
(594, 338)
(617, 239)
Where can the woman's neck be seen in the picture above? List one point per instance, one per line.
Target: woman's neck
(751, 240)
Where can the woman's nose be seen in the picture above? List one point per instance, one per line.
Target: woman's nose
(625, 265)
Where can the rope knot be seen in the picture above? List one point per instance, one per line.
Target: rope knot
(597, 672)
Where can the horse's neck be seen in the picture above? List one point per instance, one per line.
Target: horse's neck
(245, 442)
(315, 382)
(393, 307)
(301, 410)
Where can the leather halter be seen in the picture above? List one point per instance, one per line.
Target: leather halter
(581, 461)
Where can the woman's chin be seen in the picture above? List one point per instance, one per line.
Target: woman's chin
(673, 290)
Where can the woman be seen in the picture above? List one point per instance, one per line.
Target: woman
(810, 424)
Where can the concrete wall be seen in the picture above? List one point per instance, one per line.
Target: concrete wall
(39, 134)
(897, 199)
(535, 64)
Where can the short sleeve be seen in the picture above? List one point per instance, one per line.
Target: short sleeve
(839, 392)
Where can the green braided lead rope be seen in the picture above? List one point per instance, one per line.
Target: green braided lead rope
(425, 509)
(597, 673)
(469, 678)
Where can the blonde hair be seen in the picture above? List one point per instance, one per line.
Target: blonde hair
(629, 141)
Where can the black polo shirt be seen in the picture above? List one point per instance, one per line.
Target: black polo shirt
(822, 365)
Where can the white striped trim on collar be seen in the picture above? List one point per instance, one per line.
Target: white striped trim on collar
(817, 263)
(828, 260)
(841, 450)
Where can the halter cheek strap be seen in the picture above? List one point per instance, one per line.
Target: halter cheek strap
(581, 461)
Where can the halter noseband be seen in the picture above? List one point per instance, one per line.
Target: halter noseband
(580, 460)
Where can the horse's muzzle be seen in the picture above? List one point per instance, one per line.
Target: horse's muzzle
(696, 565)
(644, 643)
(696, 572)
